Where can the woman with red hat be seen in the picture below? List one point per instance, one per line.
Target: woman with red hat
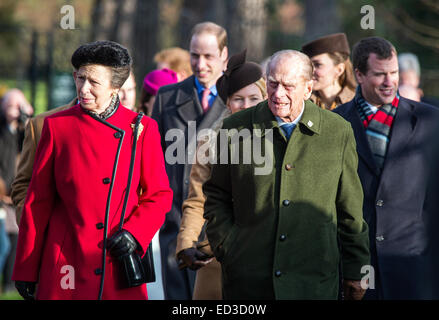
(151, 84)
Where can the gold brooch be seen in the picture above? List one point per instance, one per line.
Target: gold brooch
(139, 131)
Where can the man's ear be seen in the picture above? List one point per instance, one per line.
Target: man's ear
(308, 86)
(358, 76)
(75, 74)
(225, 54)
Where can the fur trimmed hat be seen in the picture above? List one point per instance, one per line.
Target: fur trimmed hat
(104, 52)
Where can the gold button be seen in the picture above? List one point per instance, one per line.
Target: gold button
(288, 166)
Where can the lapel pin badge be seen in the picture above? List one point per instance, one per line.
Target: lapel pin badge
(139, 131)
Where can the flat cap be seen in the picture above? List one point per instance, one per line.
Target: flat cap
(337, 42)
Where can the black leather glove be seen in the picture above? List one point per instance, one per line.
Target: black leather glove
(192, 258)
(26, 289)
(122, 243)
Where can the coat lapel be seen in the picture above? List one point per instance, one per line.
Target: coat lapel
(215, 112)
(187, 101)
(363, 148)
(402, 130)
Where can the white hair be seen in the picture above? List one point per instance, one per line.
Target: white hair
(409, 62)
(306, 67)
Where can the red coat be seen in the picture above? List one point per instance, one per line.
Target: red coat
(66, 203)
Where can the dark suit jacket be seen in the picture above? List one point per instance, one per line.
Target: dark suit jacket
(402, 224)
(175, 106)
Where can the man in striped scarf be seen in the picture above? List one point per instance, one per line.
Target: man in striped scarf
(394, 139)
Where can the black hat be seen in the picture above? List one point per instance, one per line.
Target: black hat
(107, 53)
(337, 42)
(238, 75)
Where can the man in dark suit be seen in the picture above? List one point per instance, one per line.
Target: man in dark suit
(181, 110)
(394, 143)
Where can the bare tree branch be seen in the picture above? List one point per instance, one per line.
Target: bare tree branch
(416, 37)
(433, 4)
(416, 26)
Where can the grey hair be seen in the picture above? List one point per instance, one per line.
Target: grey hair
(407, 62)
(304, 61)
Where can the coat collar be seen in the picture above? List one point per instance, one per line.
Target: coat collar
(403, 128)
(401, 133)
(264, 119)
(345, 95)
(187, 101)
(189, 107)
(363, 149)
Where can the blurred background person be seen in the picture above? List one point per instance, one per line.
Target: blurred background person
(14, 113)
(409, 69)
(334, 81)
(151, 84)
(410, 76)
(127, 93)
(410, 92)
(176, 59)
(242, 86)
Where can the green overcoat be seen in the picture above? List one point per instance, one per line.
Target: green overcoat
(282, 233)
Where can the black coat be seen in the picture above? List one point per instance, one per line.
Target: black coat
(402, 222)
(175, 106)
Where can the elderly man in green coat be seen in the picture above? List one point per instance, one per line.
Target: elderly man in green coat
(284, 233)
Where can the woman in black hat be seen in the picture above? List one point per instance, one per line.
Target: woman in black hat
(85, 223)
(241, 86)
(334, 81)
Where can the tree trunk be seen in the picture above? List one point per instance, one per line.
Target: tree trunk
(144, 37)
(247, 27)
(321, 18)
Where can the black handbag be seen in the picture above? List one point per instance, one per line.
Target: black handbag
(135, 270)
(148, 265)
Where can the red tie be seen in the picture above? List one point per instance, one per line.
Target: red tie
(205, 100)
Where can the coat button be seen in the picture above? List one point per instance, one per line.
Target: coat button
(380, 203)
(286, 203)
(288, 167)
(98, 271)
(118, 135)
(106, 180)
(99, 225)
(379, 238)
(278, 273)
(282, 237)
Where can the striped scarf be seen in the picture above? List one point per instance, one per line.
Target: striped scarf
(377, 125)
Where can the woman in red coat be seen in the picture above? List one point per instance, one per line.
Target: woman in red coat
(70, 241)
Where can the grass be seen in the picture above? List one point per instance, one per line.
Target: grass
(14, 295)
(11, 295)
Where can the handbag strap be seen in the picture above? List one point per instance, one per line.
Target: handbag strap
(130, 175)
